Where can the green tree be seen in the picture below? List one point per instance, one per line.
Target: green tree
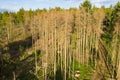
(112, 16)
(86, 5)
(20, 16)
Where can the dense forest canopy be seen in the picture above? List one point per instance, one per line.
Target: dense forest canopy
(61, 44)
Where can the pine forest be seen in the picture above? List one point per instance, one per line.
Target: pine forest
(61, 44)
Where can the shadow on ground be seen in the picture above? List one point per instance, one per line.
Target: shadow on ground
(15, 49)
(14, 64)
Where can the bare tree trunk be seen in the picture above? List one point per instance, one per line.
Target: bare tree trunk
(65, 47)
(118, 71)
(14, 76)
(55, 52)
